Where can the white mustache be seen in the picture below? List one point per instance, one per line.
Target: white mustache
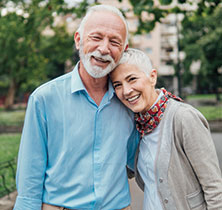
(97, 54)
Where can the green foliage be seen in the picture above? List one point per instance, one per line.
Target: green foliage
(211, 112)
(201, 97)
(165, 2)
(148, 8)
(9, 146)
(201, 35)
(12, 118)
(8, 151)
(202, 32)
(81, 8)
(57, 49)
(28, 57)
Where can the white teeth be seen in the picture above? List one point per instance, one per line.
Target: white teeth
(133, 98)
(100, 59)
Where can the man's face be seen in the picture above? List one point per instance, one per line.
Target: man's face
(102, 43)
(96, 71)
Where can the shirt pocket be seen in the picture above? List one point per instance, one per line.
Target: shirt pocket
(196, 200)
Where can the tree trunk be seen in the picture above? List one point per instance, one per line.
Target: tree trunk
(9, 101)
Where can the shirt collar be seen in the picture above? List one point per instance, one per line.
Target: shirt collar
(77, 84)
(110, 89)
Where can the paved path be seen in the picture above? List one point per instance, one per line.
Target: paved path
(217, 137)
(136, 196)
(6, 203)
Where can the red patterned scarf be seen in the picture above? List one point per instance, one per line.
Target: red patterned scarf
(145, 123)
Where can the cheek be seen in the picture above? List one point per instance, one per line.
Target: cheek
(89, 47)
(118, 93)
(116, 54)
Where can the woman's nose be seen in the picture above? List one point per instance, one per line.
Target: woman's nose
(127, 90)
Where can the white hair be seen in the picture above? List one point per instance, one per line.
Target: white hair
(138, 58)
(100, 8)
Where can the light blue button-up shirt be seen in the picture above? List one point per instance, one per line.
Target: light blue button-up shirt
(73, 153)
(146, 167)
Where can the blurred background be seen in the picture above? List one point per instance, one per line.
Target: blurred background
(183, 39)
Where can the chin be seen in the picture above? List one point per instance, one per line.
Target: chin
(135, 110)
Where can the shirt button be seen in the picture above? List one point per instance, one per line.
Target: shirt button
(160, 180)
(166, 200)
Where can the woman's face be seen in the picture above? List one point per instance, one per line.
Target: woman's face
(133, 87)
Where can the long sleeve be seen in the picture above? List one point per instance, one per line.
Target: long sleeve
(200, 150)
(32, 158)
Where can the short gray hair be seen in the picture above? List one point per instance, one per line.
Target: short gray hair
(137, 57)
(109, 8)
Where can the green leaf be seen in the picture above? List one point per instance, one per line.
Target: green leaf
(165, 2)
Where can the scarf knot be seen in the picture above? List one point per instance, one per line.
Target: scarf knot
(146, 122)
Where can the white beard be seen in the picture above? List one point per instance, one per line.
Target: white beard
(96, 71)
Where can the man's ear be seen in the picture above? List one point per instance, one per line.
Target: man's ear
(77, 40)
(126, 47)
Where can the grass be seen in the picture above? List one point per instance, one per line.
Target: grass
(8, 151)
(211, 112)
(206, 104)
(9, 146)
(12, 118)
(202, 96)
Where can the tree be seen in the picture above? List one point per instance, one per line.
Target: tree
(201, 38)
(202, 33)
(27, 56)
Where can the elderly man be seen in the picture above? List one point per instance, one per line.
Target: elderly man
(76, 136)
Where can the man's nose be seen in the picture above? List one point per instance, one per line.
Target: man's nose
(104, 47)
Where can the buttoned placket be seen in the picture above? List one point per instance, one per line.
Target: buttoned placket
(97, 153)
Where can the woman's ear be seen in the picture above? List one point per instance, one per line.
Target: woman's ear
(153, 77)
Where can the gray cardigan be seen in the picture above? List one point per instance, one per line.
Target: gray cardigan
(186, 168)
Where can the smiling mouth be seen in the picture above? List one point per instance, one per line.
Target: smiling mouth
(100, 60)
(133, 98)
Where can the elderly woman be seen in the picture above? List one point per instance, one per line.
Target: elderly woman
(176, 161)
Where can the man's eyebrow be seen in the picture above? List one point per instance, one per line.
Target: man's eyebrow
(95, 33)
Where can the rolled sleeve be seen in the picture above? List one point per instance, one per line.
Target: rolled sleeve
(32, 158)
(131, 149)
(23, 203)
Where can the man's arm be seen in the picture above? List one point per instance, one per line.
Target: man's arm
(131, 151)
(32, 158)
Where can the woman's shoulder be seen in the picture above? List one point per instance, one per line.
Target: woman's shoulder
(186, 113)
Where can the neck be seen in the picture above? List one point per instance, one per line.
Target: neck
(96, 87)
(153, 98)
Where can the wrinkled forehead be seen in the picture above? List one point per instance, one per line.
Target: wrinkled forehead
(98, 20)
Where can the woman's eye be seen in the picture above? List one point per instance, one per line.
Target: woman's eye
(132, 79)
(116, 85)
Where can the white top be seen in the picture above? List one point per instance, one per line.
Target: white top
(146, 162)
